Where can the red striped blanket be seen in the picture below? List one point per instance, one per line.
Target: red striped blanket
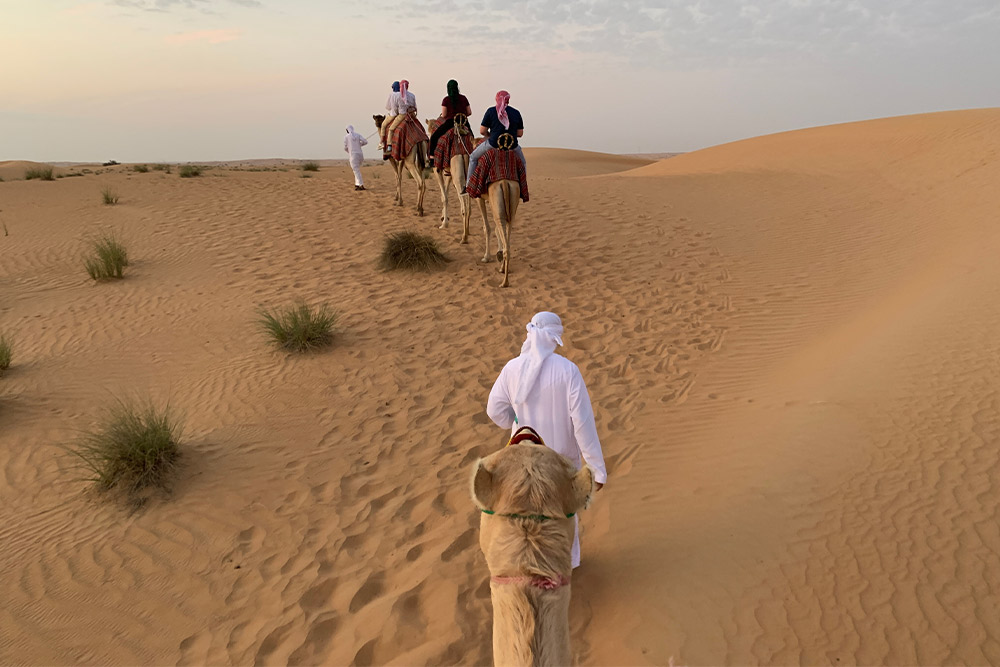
(449, 145)
(497, 165)
(409, 133)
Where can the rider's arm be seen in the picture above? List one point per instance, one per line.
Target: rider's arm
(520, 133)
(483, 130)
(468, 110)
(444, 112)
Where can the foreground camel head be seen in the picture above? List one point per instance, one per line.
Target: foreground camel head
(529, 496)
(379, 119)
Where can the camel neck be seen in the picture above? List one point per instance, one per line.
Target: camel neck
(530, 623)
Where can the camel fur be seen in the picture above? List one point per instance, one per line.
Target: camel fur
(530, 623)
(414, 162)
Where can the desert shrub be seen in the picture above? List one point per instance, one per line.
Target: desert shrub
(411, 251)
(133, 449)
(41, 173)
(140, 168)
(110, 163)
(109, 196)
(299, 328)
(6, 353)
(310, 166)
(161, 167)
(189, 171)
(108, 257)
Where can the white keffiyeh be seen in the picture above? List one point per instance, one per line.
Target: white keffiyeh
(544, 333)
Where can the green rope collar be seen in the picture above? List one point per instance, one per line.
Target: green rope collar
(532, 517)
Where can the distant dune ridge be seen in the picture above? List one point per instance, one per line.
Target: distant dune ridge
(790, 343)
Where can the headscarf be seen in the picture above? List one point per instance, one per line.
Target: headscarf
(395, 86)
(453, 93)
(544, 333)
(350, 129)
(503, 99)
(403, 85)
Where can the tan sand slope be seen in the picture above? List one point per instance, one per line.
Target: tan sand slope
(790, 348)
(564, 163)
(12, 170)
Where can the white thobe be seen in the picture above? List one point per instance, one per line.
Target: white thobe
(558, 408)
(352, 146)
(396, 105)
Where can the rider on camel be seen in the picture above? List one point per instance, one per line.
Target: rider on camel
(390, 106)
(454, 103)
(405, 104)
(498, 120)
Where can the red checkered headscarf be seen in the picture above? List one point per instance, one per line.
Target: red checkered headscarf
(403, 85)
(503, 99)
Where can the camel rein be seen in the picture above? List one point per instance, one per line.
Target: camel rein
(537, 581)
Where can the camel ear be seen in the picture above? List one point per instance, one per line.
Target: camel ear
(482, 486)
(582, 489)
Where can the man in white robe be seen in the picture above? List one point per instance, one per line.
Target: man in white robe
(352, 146)
(546, 391)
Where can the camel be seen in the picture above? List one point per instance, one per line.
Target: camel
(529, 495)
(503, 197)
(414, 162)
(456, 174)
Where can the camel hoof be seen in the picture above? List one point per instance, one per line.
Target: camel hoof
(485, 260)
(465, 241)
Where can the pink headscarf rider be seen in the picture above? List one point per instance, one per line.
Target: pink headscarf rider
(503, 99)
(403, 85)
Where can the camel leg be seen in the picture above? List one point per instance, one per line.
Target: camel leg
(398, 168)
(463, 200)
(459, 169)
(442, 182)
(498, 205)
(513, 197)
(486, 230)
(418, 176)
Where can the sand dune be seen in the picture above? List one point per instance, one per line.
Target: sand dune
(790, 343)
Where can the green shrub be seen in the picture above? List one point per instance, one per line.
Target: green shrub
(5, 352)
(108, 258)
(41, 173)
(109, 196)
(310, 166)
(189, 171)
(133, 449)
(411, 251)
(161, 167)
(299, 328)
(140, 168)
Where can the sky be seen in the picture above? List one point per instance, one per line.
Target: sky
(190, 80)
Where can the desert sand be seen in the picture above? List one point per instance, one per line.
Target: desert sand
(791, 344)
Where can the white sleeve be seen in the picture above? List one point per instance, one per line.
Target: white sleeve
(499, 407)
(345, 143)
(585, 428)
(364, 142)
(388, 103)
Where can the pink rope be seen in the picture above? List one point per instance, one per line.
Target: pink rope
(545, 583)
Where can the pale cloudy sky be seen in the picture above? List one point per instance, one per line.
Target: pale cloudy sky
(180, 80)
